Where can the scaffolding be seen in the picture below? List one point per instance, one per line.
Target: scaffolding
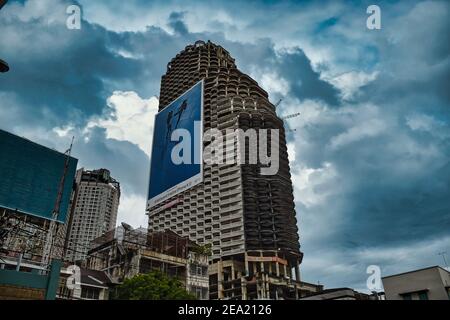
(125, 252)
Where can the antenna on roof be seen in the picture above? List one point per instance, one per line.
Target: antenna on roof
(278, 103)
(443, 253)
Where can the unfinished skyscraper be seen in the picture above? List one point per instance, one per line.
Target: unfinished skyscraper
(93, 212)
(248, 218)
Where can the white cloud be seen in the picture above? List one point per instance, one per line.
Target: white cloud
(349, 83)
(131, 119)
(312, 186)
(63, 131)
(427, 123)
(291, 152)
(31, 10)
(132, 210)
(420, 122)
(359, 131)
(273, 83)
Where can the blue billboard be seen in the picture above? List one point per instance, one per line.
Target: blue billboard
(30, 175)
(179, 123)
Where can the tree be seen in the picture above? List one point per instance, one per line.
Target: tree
(152, 286)
(203, 249)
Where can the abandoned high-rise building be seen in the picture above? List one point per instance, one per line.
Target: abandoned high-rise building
(248, 218)
(93, 211)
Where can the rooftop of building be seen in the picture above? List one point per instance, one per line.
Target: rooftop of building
(95, 278)
(33, 143)
(167, 241)
(417, 270)
(342, 292)
(101, 175)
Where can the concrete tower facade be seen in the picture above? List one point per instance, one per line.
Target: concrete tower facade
(247, 218)
(93, 212)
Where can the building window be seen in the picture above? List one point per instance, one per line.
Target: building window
(423, 295)
(201, 293)
(198, 270)
(90, 293)
(407, 296)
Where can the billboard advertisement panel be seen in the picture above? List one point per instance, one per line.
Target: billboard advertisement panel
(30, 176)
(179, 122)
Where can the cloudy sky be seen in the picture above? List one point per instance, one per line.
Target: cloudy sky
(370, 154)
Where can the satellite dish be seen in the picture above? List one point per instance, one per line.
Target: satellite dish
(126, 226)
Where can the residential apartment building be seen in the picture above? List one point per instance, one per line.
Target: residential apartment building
(93, 211)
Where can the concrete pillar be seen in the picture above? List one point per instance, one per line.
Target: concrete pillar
(219, 279)
(53, 280)
(267, 287)
(297, 271)
(232, 269)
(244, 289)
(277, 266)
(260, 287)
(247, 270)
(262, 263)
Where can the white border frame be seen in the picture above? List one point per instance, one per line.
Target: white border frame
(190, 182)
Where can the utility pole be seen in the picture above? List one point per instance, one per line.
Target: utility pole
(443, 253)
(46, 255)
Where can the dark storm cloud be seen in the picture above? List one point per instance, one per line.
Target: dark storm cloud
(177, 23)
(64, 72)
(70, 73)
(293, 66)
(404, 205)
(305, 82)
(125, 160)
(391, 152)
(381, 160)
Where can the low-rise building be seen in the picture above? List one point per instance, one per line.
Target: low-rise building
(88, 285)
(343, 294)
(432, 283)
(125, 252)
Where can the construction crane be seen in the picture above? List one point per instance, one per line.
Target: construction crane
(278, 103)
(47, 252)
